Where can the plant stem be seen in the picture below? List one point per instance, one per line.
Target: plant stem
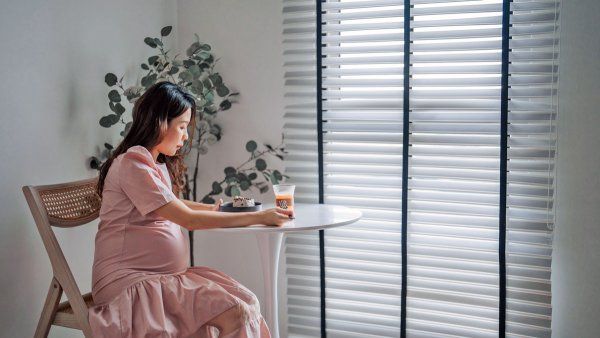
(195, 179)
(196, 173)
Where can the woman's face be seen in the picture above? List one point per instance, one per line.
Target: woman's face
(176, 134)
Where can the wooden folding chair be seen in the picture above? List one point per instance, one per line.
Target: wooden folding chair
(64, 205)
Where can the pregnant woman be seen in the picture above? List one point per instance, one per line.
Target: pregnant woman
(142, 283)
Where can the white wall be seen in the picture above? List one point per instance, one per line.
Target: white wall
(55, 55)
(54, 58)
(576, 260)
(246, 35)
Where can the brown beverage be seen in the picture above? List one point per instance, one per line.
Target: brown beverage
(285, 201)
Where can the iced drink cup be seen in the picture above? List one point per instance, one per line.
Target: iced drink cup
(284, 196)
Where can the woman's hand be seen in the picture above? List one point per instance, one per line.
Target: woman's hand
(276, 216)
(215, 207)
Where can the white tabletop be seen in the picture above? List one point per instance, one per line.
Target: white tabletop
(307, 217)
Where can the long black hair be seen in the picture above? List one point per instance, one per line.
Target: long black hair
(152, 112)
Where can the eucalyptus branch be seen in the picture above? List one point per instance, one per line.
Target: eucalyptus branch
(243, 178)
(196, 73)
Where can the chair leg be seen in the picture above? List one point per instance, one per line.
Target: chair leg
(49, 310)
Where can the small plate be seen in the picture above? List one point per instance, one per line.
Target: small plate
(228, 207)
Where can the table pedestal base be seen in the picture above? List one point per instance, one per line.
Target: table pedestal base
(269, 244)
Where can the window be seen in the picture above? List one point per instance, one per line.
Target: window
(480, 136)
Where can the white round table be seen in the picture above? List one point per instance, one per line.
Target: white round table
(307, 217)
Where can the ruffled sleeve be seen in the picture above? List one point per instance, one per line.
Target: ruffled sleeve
(142, 182)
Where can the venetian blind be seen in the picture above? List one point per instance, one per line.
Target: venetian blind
(300, 132)
(454, 163)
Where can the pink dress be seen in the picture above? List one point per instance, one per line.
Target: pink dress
(142, 284)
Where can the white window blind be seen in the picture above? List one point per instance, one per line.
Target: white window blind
(300, 130)
(532, 144)
(454, 169)
(362, 125)
(454, 163)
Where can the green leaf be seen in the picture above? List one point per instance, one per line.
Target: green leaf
(205, 47)
(150, 42)
(235, 191)
(145, 66)
(251, 146)
(192, 49)
(188, 63)
(206, 56)
(158, 42)
(230, 171)
(245, 185)
(95, 162)
(108, 146)
(185, 76)
(114, 96)
(207, 84)
(274, 180)
(252, 176)
(195, 70)
(203, 66)
(152, 60)
(216, 79)
(119, 109)
(264, 189)
(149, 80)
(110, 79)
(225, 104)
(216, 188)
(242, 177)
(277, 175)
(209, 111)
(109, 120)
(261, 164)
(197, 85)
(211, 139)
(208, 200)
(173, 70)
(165, 30)
(209, 97)
(228, 190)
(222, 91)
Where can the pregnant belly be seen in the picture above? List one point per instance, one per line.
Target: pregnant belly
(157, 247)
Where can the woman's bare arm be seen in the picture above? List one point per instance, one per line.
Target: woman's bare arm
(197, 205)
(178, 212)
